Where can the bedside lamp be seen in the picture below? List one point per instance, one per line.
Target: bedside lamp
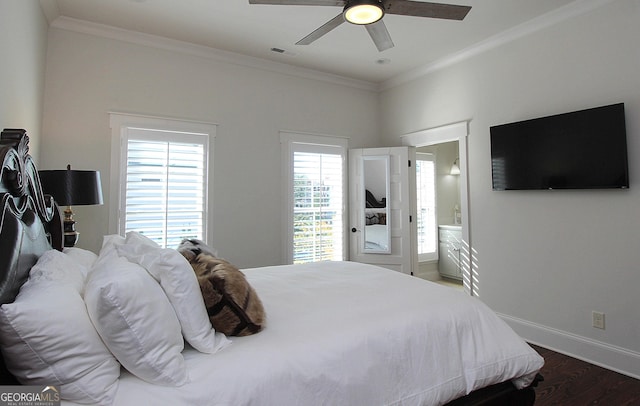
(72, 188)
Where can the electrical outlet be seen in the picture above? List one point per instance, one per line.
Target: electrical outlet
(597, 319)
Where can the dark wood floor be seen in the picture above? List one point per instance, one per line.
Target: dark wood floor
(571, 382)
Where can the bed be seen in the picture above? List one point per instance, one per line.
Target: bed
(337, 333)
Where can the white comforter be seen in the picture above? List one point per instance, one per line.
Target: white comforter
(343, 333)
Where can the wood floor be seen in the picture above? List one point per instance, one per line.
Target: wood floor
(571, 382)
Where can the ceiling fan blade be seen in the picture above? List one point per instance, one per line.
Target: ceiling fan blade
(423, 9)
(328, 26)
(339, 3)
(380, 35)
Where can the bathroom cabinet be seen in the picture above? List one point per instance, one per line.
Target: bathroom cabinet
(450, 242)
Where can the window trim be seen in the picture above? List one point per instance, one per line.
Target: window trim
(120, 123)
(291, 142)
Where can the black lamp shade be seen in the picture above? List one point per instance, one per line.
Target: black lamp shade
(71, 187)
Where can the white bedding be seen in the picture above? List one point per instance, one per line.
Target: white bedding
(344, 333)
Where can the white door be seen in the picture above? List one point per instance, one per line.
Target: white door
(400, 207)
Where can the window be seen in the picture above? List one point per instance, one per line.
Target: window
(163, 172)
(426, 194)
(315, 187)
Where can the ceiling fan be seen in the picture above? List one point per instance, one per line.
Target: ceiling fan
(370, 12)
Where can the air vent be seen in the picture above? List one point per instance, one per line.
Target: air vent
(282, 51)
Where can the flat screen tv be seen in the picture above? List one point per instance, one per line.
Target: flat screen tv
(585, 149)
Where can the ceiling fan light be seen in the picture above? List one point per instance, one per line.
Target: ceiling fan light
(362, 13)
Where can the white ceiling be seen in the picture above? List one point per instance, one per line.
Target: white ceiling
(252, 30)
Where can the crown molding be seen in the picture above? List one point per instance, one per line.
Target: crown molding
(50, 10)
(549, 19)
(154, 41)
(564, 13)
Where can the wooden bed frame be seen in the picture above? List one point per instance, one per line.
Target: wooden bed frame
(31, 224)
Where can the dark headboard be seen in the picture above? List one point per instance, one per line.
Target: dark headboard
(30, 222)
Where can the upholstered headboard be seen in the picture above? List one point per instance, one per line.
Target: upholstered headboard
(30, 222)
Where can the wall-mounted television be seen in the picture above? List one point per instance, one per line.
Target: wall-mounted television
(584, 149)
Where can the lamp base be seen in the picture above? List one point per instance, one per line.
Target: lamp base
(70, 239)
(70, 233)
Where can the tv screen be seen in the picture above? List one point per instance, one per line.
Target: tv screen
(584, 149)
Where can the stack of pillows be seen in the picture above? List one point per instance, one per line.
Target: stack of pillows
(80, 317)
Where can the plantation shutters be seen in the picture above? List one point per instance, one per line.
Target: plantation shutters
(316, 190)
(160, 177)
(165, 186)
(317, 213)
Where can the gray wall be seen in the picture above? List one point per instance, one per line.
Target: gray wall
(23, 46)
(547, 259)
(89, 76)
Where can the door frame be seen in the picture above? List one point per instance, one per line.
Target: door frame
(454, 132)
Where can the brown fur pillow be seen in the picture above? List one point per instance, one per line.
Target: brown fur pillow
(233, 306)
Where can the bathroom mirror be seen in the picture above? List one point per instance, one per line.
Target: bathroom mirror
(376, 235)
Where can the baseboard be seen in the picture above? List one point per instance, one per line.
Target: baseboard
(608, 356)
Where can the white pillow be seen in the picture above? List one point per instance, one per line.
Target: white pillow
(134, 318)
(47, 337)
(80, 256)
(180, 284)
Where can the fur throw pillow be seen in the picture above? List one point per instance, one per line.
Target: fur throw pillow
(192, 247)
(233, 306)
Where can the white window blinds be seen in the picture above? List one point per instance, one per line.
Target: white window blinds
(317, 212)
(166, 185)
(426, 196)
(315, 184)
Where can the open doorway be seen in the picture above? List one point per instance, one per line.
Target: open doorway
(449, 142)
(446, 229)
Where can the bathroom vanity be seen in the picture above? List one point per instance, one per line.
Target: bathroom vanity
(450, 242)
